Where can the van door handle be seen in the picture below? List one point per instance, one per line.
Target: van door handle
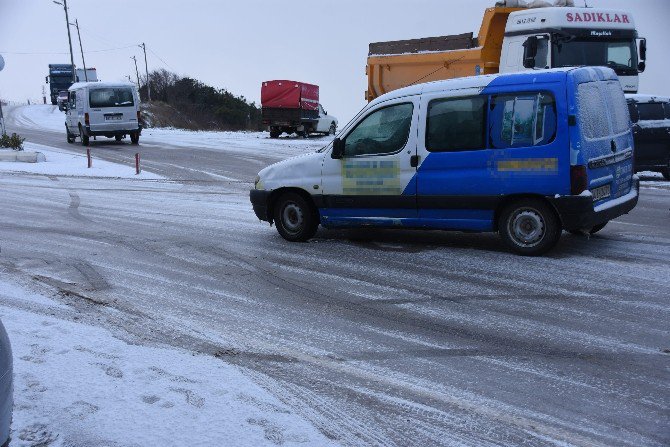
(414, 161)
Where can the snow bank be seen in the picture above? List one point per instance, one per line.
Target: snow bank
(78, 385)
(60, 162)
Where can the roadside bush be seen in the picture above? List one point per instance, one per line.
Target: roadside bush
(13, 142)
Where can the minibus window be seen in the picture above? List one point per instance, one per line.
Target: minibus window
(456, 124)
(651, 111)
(384, 131)
(522, 120)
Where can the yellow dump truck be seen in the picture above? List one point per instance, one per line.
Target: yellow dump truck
(513, 39)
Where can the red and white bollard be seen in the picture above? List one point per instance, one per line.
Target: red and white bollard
(88, 156)
(137, 164)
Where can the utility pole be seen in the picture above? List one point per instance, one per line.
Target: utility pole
(146, 67)
(83, 61)
(137, 73)
(69, 37)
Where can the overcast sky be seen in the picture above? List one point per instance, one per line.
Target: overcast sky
(238, 44)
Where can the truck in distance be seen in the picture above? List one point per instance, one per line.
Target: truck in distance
(513, 39)
(60, 79)
(293, 107)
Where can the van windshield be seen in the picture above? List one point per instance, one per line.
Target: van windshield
(111, 97)
(619, 55)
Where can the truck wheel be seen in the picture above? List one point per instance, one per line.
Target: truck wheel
(274, 133)
(295, 218)
(83, 136)
(134, 137)
(529, 227)
(333, 129)
(118, 137)
(68, 135)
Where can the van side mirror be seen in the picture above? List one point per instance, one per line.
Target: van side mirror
(338, 149)
(529, 52)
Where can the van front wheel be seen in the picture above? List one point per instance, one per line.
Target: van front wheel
(134, 137)
(83, 136)
(295, 218)
(529, 227)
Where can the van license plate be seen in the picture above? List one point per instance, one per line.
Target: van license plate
(601, 192)
(113, 118)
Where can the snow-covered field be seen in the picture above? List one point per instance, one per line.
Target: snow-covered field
(63, 163)
(48, 117)
(77, 385)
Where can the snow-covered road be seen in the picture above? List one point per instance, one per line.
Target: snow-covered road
(372, 337)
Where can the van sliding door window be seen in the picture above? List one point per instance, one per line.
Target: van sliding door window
(111, 97)
(522, 120)
(456, 124)
(384, 131)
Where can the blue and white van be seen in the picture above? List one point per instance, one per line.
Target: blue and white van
(525, 154)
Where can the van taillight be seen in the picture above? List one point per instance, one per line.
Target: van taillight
(578, 180)
(86, 119)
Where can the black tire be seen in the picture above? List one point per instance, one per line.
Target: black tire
(68, 135)
(134, 137)
(333, 129)
(82, 135)
(529, 227)
(274, 133)
(118, 137)
(295, 218)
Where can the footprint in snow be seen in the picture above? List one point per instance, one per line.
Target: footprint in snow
(272, 433)
(150, 399)
(81, 409)
(111, 371)
(191, 397)
(37, 435)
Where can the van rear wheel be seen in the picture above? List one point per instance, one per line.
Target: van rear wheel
(529, 227)
(295, 218)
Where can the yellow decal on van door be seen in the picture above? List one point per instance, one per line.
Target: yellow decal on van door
(529, 165)
(371, 177)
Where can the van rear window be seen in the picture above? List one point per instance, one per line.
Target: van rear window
(456, 124)
(593, 117)
(111, 97)
(618, 108)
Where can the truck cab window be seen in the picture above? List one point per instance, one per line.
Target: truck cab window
(542, 56)
(620, 55)
(456, 124)
(384, 131)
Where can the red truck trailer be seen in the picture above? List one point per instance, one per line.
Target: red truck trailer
(290, 106)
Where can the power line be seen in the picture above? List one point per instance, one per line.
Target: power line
(159, 58)
(49, 53)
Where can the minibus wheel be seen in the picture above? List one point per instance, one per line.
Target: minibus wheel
(69, 136)
(529, 227)
(83, 136)
(295, 217)
(134, 137)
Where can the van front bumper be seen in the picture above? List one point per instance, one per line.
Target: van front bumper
(259, 201)
(578, 213)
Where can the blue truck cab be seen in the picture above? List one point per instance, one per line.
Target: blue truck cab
(525, 154)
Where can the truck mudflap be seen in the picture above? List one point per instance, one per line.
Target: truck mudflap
(578, 213)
